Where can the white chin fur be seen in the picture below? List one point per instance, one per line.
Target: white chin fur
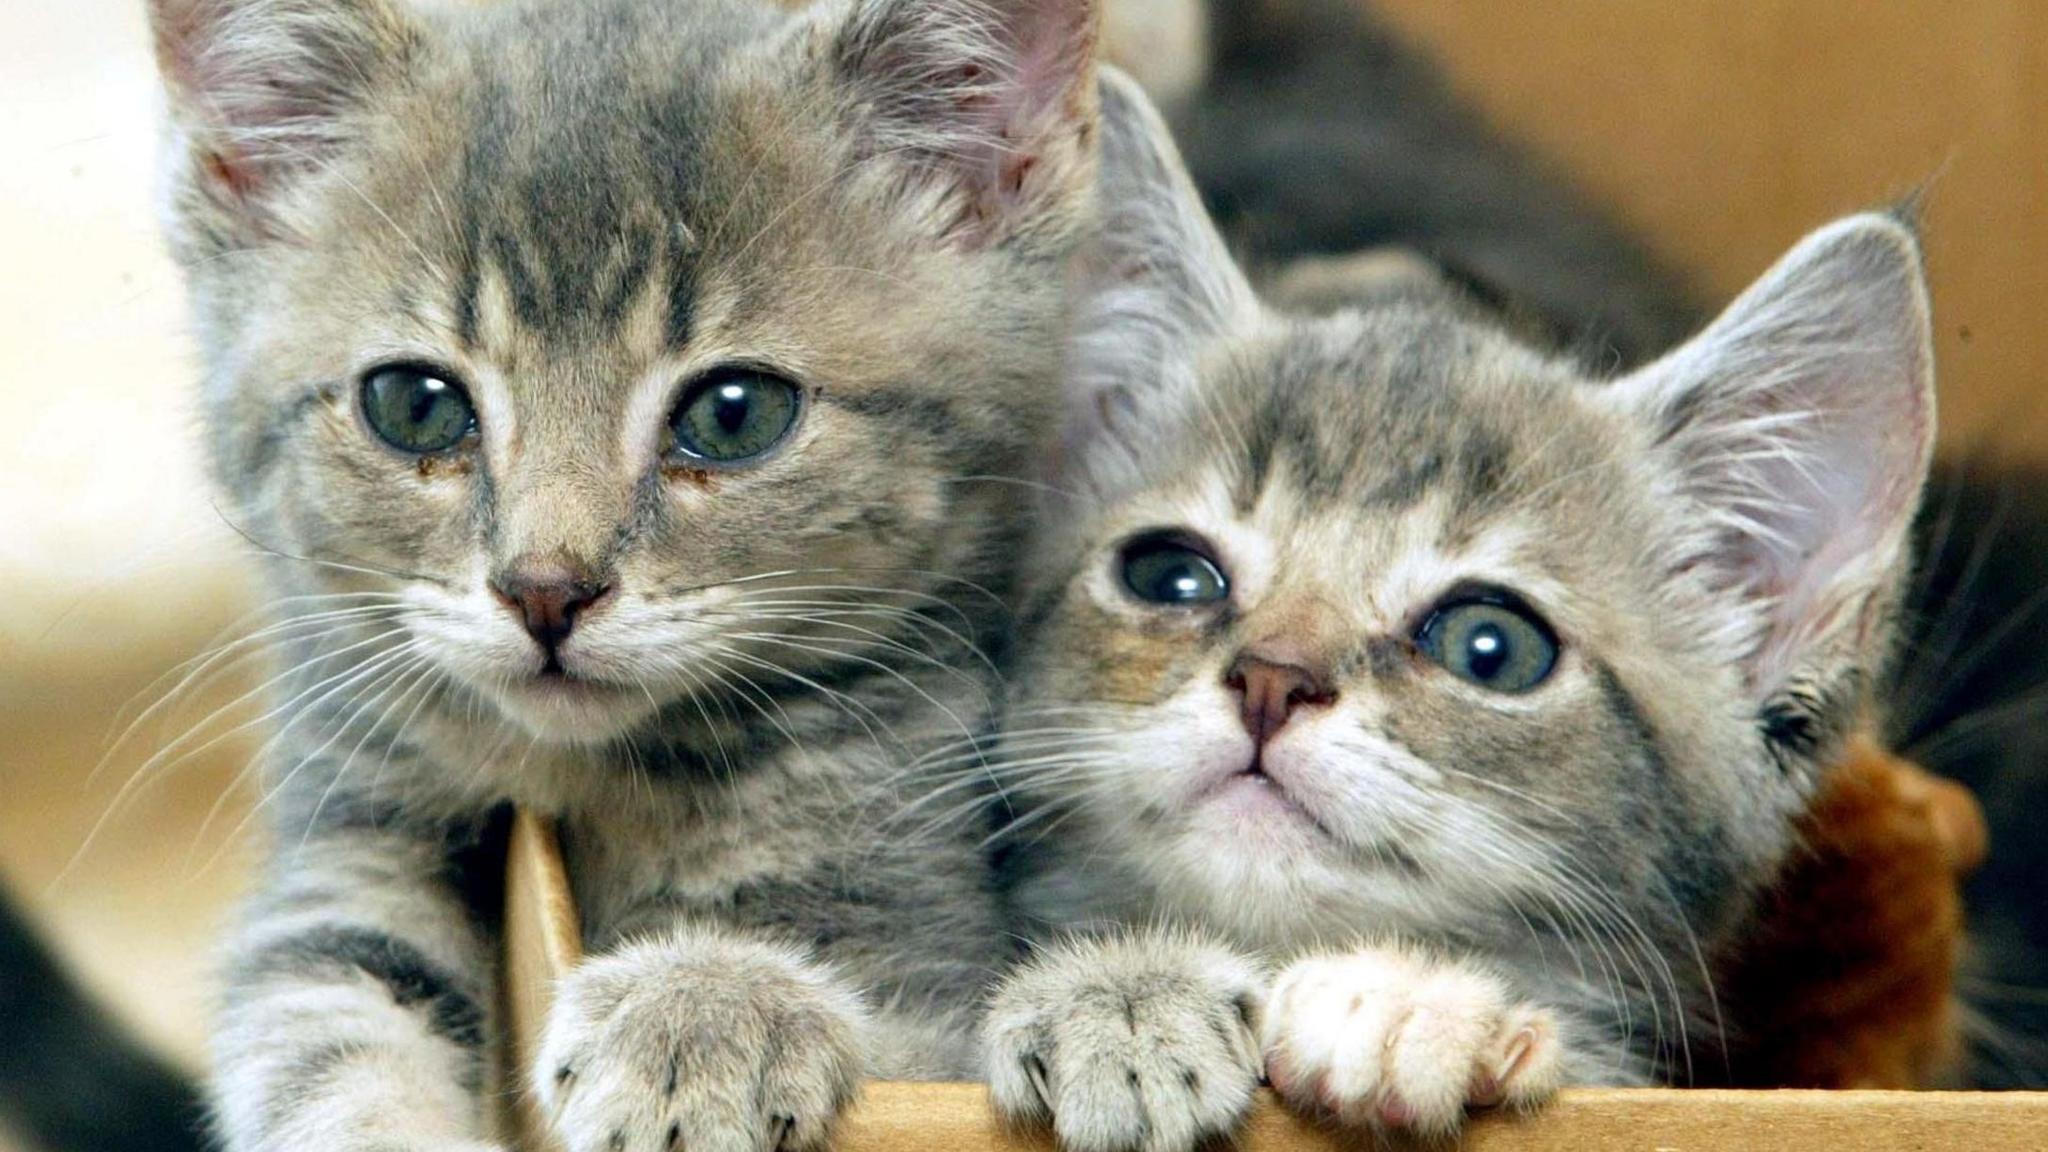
(570, 712)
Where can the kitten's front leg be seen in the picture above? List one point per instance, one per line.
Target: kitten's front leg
(357, 1010)
(703, 1039)
(1390, 1038)
(1143, 1042)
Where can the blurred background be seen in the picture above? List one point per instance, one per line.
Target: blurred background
(1719, 131)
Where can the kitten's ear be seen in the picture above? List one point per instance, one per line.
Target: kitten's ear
(263, 91)
(1157, 237)
(992, 103)
(1160, 280)
(1802, 423)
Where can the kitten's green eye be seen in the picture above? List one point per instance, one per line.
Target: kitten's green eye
(1495, 643)
(1168, 570)
(417, 409)
(733, 415)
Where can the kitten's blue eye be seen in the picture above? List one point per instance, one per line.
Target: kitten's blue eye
(1168, 570)
(417, 409)
(1494, 643)
(733, 415)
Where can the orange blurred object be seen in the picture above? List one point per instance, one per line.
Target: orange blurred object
(1849, 980)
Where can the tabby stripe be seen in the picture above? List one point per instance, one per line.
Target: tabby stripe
(414, 979)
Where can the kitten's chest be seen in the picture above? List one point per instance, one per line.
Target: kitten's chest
(633, 870)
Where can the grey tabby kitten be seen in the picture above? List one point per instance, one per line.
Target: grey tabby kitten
(1476, 690)
(614, 387)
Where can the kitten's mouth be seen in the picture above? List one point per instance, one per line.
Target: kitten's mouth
(1255, 794)
(557, 703)
(555, 680)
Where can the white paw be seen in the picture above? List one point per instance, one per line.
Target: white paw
(1141, 1044)
(699, 1041)
(1387, 1039)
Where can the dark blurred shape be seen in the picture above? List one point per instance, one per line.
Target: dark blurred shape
(1319, 134)
(1971, 702)
(71, 1080)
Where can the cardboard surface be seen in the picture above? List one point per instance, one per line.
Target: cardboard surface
(955, 1118)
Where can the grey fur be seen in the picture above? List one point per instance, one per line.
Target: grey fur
(1719, 539)
(575, 207)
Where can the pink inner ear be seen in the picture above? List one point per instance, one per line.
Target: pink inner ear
(1802, 422)
(264, 87)
(1056, 42)
(995, 98)
(235, 179)
(1022, 112)
(182, 30)
(1846, 540)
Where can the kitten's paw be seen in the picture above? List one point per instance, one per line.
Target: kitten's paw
(1141, 1044)
(703, 1042)
(1388, 1039)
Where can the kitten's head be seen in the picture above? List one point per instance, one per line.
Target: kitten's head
(1385, 619)
(565, 326)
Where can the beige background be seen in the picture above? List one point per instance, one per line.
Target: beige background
(1724, 129)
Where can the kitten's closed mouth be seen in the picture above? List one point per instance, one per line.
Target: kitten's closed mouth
(1256, 794)
(555, 684)
(556, 679)
(566, 705)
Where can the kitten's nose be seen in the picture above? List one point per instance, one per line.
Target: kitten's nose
(1269, 691)
(547, 596)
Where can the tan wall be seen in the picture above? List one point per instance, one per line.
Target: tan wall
(1724, 130)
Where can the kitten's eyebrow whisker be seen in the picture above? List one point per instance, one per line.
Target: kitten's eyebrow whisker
(806, 195)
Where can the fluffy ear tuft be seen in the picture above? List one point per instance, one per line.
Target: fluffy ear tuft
(263, 90)
(1801, 422)
(995, 98)
(1161, 280)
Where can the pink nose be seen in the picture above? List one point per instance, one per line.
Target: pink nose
(1269, 691)
(547, 596)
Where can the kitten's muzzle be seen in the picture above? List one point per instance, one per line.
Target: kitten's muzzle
(1269, 690)
(548, 596)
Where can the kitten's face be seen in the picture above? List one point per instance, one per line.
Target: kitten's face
(623, 344)
(1384, 622)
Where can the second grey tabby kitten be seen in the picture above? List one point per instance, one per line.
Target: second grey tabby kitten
(1478, 689)
(620, 392)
